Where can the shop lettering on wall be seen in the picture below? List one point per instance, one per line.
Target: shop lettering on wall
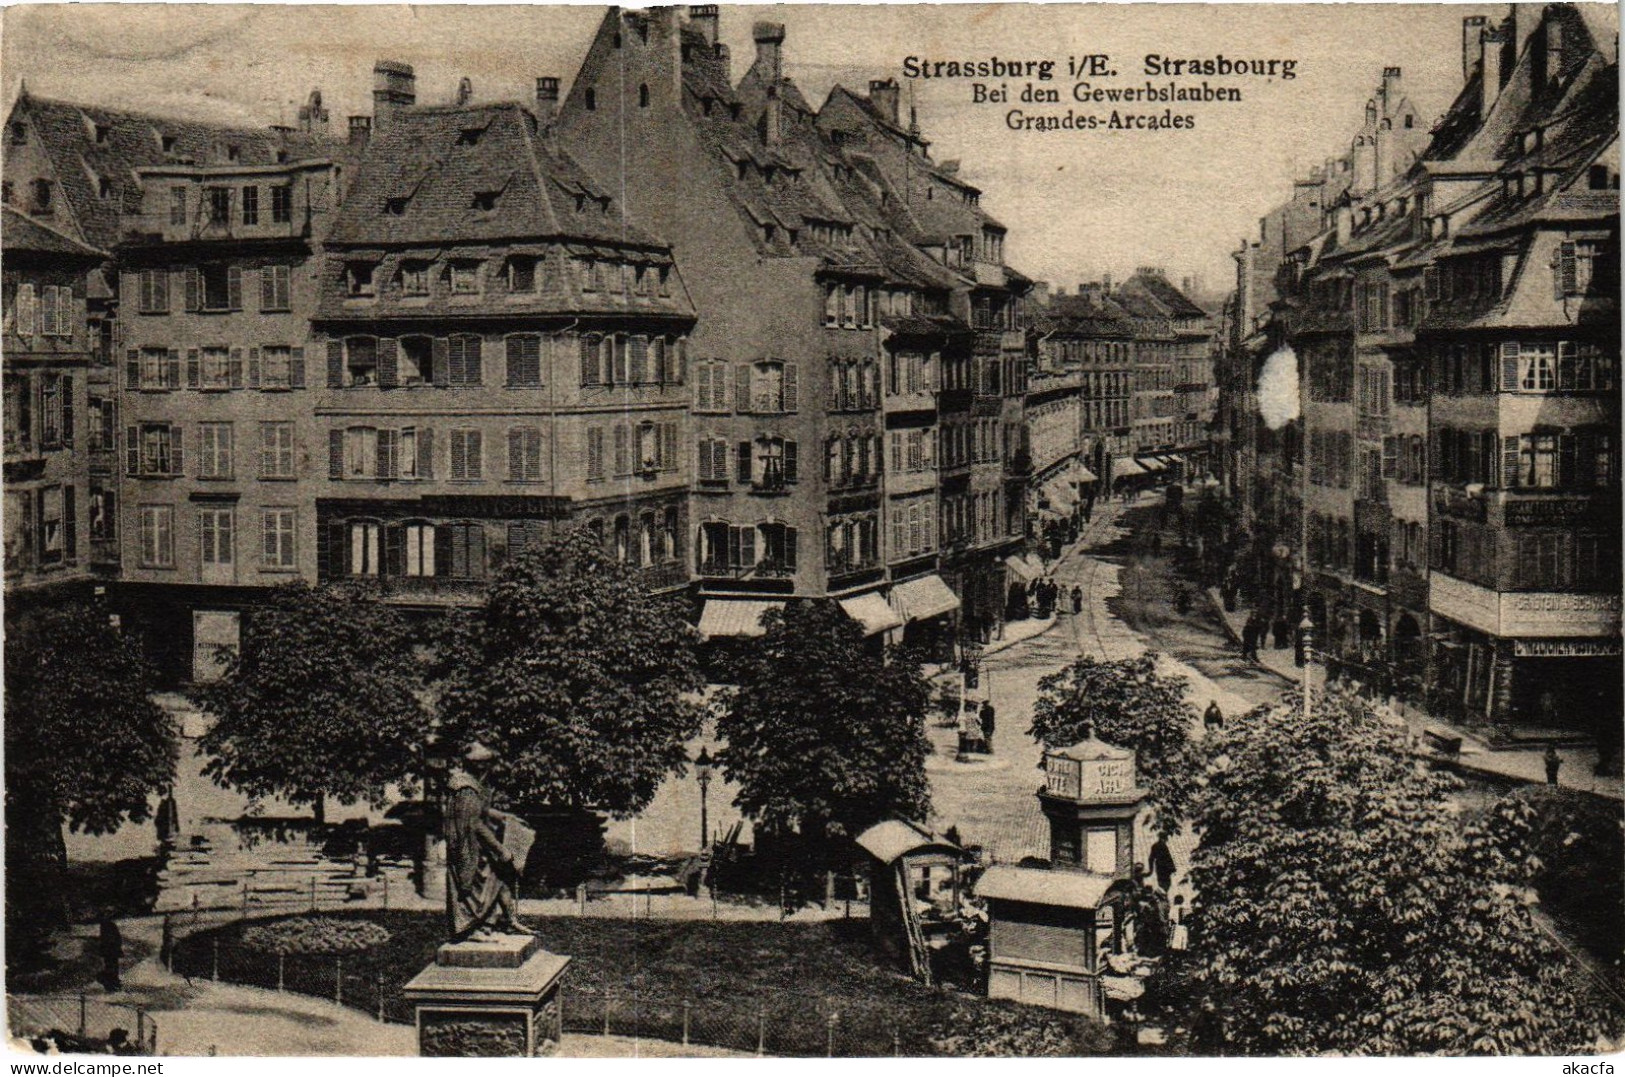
(1537, 513)
(1107, 777)
(1565, 648)
(1063, 777)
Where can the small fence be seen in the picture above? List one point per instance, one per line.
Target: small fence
(89, 1020)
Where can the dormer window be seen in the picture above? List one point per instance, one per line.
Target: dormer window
(522, 274)
(104, 188)
(470, 136)
(168, 143)
(102, 133)
(234, 153)
(415, 278)
(395, 207)
(590, 99)
(358, 280)
(733, 111)
(744, 169)
(19, 133)
(464, 278)
(485, 201)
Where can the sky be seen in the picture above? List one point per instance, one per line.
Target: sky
(1077, 204)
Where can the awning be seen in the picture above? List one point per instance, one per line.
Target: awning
(872, 612)
(928, 596)
(734, 616)
(1151, 463)
(1125, 468)
(1066, 889)
(1023, 568)
(1083, 474)
(1061, 496)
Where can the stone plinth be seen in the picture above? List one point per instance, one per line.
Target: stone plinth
(493, 997)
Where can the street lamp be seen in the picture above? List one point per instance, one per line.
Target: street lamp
(702, 773)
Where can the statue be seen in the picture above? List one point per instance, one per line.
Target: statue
(485, 851)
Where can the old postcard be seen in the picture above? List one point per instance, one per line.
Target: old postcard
(867, 531)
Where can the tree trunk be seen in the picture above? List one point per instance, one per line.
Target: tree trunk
(37, 902)
(318, 808)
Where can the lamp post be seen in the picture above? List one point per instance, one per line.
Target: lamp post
(702, 773)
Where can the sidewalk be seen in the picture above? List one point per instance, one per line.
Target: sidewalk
(1522, 764)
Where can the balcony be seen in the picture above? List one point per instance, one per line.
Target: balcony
(767, 568)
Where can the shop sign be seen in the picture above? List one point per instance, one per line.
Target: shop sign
(1465, 603)
(1549, 513)
(1557, 614)
(1565, 648)
(1107, 777)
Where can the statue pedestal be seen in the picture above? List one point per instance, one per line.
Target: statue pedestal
(493, 997)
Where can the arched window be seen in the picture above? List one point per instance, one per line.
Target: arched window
(668, 537)
(623, 539)
(648, 540)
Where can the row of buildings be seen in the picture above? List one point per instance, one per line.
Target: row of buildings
(401, 351)
(1445, 505)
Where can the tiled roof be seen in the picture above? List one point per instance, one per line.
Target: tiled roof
(20, 233)
(436, 163)
(1086, 317)
(1164, 292)
(131, 140)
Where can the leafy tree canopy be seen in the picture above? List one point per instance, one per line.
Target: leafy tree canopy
(584, 683)
(1125, 702)
(321, 699)
(85, 743)
(1345, 905)
(822, 731)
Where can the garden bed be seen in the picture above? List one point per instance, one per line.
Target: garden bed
(783, 989)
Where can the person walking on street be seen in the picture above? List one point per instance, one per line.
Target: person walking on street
(1249, 640)
(1213, 717)
(112, 950)
(987, 716)
(1554, 762)
(1077, 600)
(1162, 863)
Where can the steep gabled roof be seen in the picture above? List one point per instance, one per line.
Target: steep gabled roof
(1169, 297)
(130, 140)
(21, 234)
(424, 178)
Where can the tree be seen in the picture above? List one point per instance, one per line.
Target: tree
(1125, 702)
(1344, 906)
(321, 699)
(85, 746)
(584, 683)
(822, 734)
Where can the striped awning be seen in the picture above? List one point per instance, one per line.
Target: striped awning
(927, 596)
(734, 616)
(1023, 568)
(1062, 498)
(1083, 474)
(872, 612)
(1126, 467)
(1151, 463)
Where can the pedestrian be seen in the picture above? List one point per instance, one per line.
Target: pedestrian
(1162, 864)
(1213, 717)
(1180, 937)
(1156, 544)
(112, 950)
(987, 716)
(166, 944)
(1249, 640)
(1553, 763)
(1077, 599)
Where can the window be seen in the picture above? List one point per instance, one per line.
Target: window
(42, 196)
(215, 451)
(154, 291)
(251, 205)
(276, 450)
(711, 386)
(361, 361)
(463, 361)
(1574, 268)
(590, 99)
(713, 460)
(414, 278)
(463, 278)
(358, 280)
(485, 201)
(467, 455)
(52, 414)
(1537, 366)
(525, 454)
(157, 536)
(153, 449)
(465, 543)
(217, 203)
(51, 524)
(19, 133)
(215, 287)
(281, 204)
(277, 531)
(275, 292)
(215, 539)
(770, 387)
(595, 454)
(522, 274)
(216, 372)
(525, 360)
(103, 515)
(363, 559)
(281, 367)
(418, 550)
(360, 452)
(154, 368)
(1583, 367)
(778, 550)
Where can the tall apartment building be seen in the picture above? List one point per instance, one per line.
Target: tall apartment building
(53, 511)
(1189, 408)
(1093, 339)
(502, 351)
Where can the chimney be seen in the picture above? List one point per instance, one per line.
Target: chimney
(1345, 223)
(769, 37)
(313, 117)
(360, 131)
(465, 91)
(704, 18)
(394, 87)
(1185, 286)
(1390, 89)
(1494, 48)
(885, 95)
(1472, 37)
(547, 99)
(1106, 283)
(1554, 50)
(725, 63)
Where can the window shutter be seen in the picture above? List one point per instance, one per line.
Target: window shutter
(335, 454)
(194, 368)
(177, 451)
(595, 453)
(459, 454)
(425, 459)
(639, 347)
(296, 368)
(67, 412)
(668, 446)
(234, 287)
(70, 524)
(589, 361)
(1566, 278)
(1567, 474)
(335, 364)
(132, 369)
(236, 368)
(440, 353)
(792, 393)
(790, 463)
(742, 464)
(388, 374)
(1486, 458)
(516, 453)
(132, 450)
(742, 402)
(267, 288)
(790, 537)
(253, 368)
(1390, 458)
(443, 565)
(194, 286)
(473, 366)
(677, 360)
(623, 449)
